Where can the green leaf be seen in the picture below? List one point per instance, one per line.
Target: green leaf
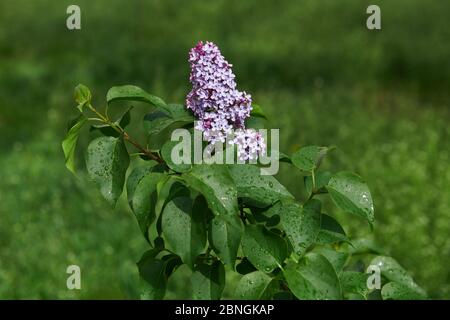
(184, 228)
(168, 190)
(309, 158)
(82, 95)
(144, 200)
(225, 234)
(257, 111)
(133, 93)
(70, 141)
(256, 189)
(265, 250)
(215, 183)
(393, 271)
(255, 286)
(156, 121)
(107, 161)
(354, 282)
(330, 231)
(314, 278)
(301, 224)
(208, 281)
(350, 193)
(398, 291)
(136, 176)
(166, 153)
(321, 179)
(364, 246)
(152, 272)
(337, 259)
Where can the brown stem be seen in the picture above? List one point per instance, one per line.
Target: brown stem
(126, 136)
(145, 151)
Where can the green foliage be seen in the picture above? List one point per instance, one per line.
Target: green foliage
(208, 216)
(373, 105)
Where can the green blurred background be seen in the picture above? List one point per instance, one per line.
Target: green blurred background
(381, 96)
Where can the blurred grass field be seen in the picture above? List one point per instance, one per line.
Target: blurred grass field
(382, 97)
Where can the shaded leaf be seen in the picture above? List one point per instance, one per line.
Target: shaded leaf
(321, 179)
(184, 228)
(225, 234)
(208, 281)
(265, 250)
(301, 224)
(144, 200)
(245, 266)
(137, 174)
(152, 272)
(330, 231)
(158, 120)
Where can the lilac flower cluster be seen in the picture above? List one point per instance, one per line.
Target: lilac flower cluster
(219, 106)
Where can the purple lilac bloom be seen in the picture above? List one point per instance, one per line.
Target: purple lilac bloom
(217, 103)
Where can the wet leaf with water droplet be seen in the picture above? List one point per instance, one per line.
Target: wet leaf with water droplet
(107, 161)
(208, 281)
(183, 226)
(350, 193)
(256, 189)
(313, 278)
(216, 185)
(144, 199)
(354, 282)
(301, 224)
(255, 286)
(337, 259)
(265, 250)
(225, 234)
(398, 291)
(393, 271)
